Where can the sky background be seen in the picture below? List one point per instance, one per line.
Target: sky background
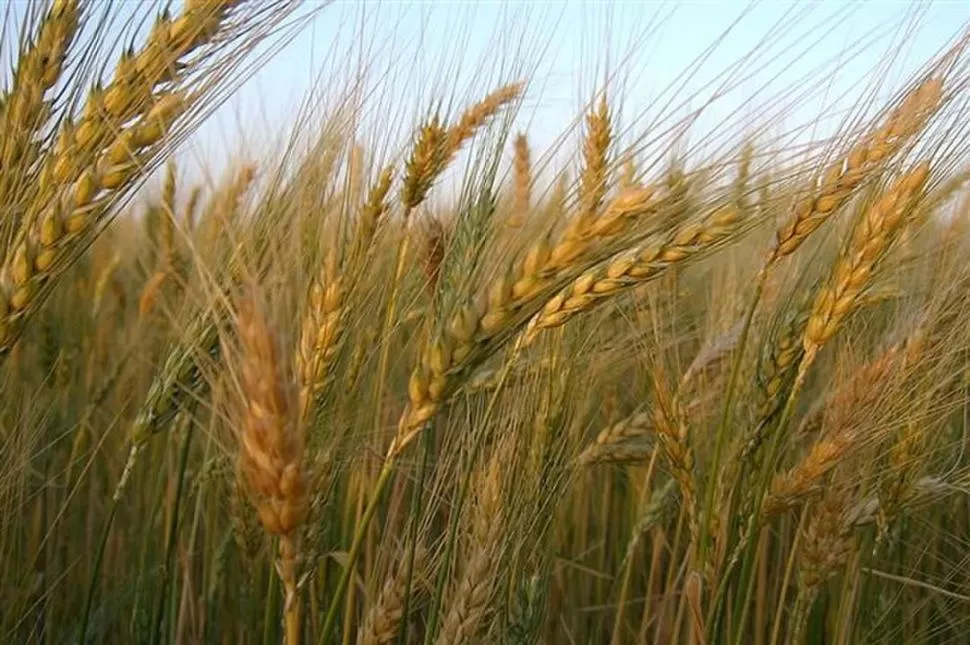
(772, 66)
(765, 69)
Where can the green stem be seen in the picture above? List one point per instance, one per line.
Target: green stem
(722, 433)
(355, 546)
(85, 617)
(416, 497)
(747, 579)
(269, 609)
(789, 568)
(172, 536)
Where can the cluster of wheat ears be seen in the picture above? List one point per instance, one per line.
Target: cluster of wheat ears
(709, 398)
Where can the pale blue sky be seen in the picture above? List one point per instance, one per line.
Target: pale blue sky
(772, 65)
(776, 63)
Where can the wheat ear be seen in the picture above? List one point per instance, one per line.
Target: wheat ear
(844, 176)
(384, 619)
(471, 598)
(24, 111)
(620, 441)
(825, 546)
(92, 161)
(522, 166)
(635, 267)
(271, 450)
(596, 150)
(673, 435)
(871, 239)
(477, 328)
(436, 144)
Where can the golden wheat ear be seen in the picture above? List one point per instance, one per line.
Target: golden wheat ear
(522, 185)
(841, 180)
(494, 314)
(271, 448)
(121, 130)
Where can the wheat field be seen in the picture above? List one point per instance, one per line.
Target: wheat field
(453, 387)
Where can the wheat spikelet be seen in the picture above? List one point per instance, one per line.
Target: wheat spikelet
(427, 161)
(825, 546)
(271, 447)
(792, 486)
(840, 181)
(842, 424)
(44, 244)
(870, 240)
(776, 376)
(617, 441)
(24, 111)
(628, 176)
(179, 380)
(556, 205)
(167, 224)
(475, 117)
(633, 268)
(150, 293)
(711, 355)
(134, 92)
(908, 449)
(470, 601)
(355, 172)
(101, 284)
(437, 145)
(661, 504)
(224, 206)
(320, 332)
(434, 252)
(246, 529)
(673, 435)
(894, 487)
(742, 182)
(271, 450)
(117, 133)
(471, 598)
(322, 329)
(384, 619)
(596, 148)
(523, 181)
(138, 74)
(374, 210)
(191, 208)
(861, 391)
